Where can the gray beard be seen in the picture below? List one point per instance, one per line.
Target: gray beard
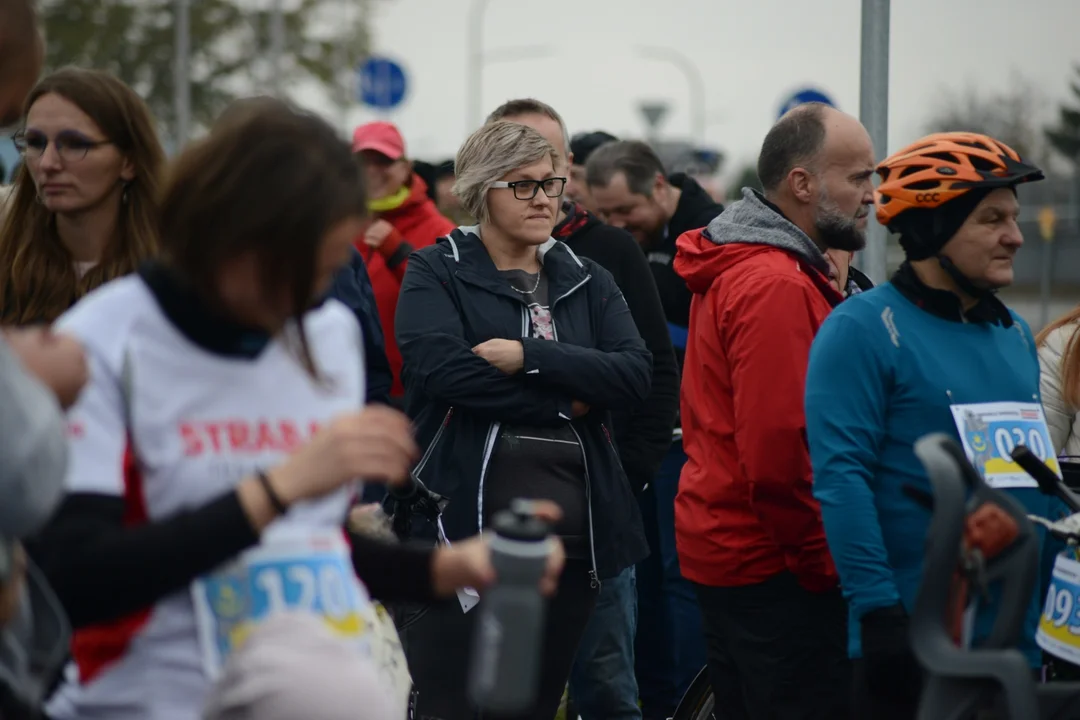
(838, 231)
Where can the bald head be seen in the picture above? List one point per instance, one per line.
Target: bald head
(800, 138)
(816, 165)
(21, 56)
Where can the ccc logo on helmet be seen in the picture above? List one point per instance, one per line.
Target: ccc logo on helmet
(927, 197)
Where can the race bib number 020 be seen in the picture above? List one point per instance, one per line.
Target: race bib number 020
(990, 432)
(311, 574)
(1059, 626)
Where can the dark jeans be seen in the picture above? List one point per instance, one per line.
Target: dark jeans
(602, 680)
(776, 651)
(670, 649)
(866, 706)
(438, 642)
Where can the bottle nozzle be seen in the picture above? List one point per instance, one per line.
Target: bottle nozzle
(521, 520)
(523, 509)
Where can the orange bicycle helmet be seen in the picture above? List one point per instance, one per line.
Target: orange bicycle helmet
(942, 167)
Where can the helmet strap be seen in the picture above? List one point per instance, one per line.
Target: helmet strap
(962, 281)
(988, 306)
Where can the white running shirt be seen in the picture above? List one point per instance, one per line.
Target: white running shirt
(194, 424)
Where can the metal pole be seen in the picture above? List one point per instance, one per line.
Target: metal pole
(181, 76)
(874, 114)
(277, 45)
(341, 56)
(695, 84)
(474, 72)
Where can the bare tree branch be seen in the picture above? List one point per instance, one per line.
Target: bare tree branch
(1065, 138)
(1010, 115)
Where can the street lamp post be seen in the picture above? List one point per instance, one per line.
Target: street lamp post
(181, 72)
(277, 45)
(474, 73)
(343, 57)
(694, 81)
(478, 58)
(874, 114)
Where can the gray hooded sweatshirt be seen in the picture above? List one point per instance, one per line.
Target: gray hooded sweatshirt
(752, 221)
(33, 463)
(33, 449)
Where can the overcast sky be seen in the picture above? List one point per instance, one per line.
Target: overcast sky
(751, 54)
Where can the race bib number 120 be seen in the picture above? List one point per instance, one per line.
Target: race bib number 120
(311, 574)
(990, 432)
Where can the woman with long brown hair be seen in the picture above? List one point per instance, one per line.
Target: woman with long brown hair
(1059, 384)
(84, 208)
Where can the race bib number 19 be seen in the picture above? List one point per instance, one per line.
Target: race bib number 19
(1059, 626)
(306, 574)
(990, 432)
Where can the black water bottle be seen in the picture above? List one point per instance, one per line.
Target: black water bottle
(509, 636)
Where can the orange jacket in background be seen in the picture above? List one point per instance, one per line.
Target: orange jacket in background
(417, 223)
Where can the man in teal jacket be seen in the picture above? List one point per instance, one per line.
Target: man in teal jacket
(933, 350)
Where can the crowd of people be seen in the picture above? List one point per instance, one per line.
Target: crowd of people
(212, 367)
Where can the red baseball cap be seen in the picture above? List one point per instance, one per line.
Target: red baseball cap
(380, 136)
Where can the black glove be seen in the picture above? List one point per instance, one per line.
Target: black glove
(892, 672)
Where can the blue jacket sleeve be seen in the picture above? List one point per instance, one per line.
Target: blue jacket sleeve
(615, 375)
(352, 286)
(439, 361)
(846, 403)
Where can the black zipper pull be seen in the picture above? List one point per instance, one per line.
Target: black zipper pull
(594, 580)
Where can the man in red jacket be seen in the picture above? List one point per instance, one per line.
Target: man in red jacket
(748, 530)
(404, 219)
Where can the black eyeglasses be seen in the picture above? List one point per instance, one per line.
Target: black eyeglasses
(527, 189)
(70, 146)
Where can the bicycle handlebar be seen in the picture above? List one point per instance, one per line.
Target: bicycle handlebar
(410, 498)
(960, 679)
(1049, 483)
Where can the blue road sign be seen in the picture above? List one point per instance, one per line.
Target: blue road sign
(381, 83)
(806, 95)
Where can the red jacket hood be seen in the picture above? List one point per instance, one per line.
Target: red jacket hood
(744, 230)
(699, 261)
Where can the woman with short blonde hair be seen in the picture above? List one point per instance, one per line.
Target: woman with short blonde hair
(487, 156)
(515, 350)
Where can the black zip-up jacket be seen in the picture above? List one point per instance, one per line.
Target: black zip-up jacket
(859, 279)
(696, 209)
(352, 286)
(644, 436)
(452, 299)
